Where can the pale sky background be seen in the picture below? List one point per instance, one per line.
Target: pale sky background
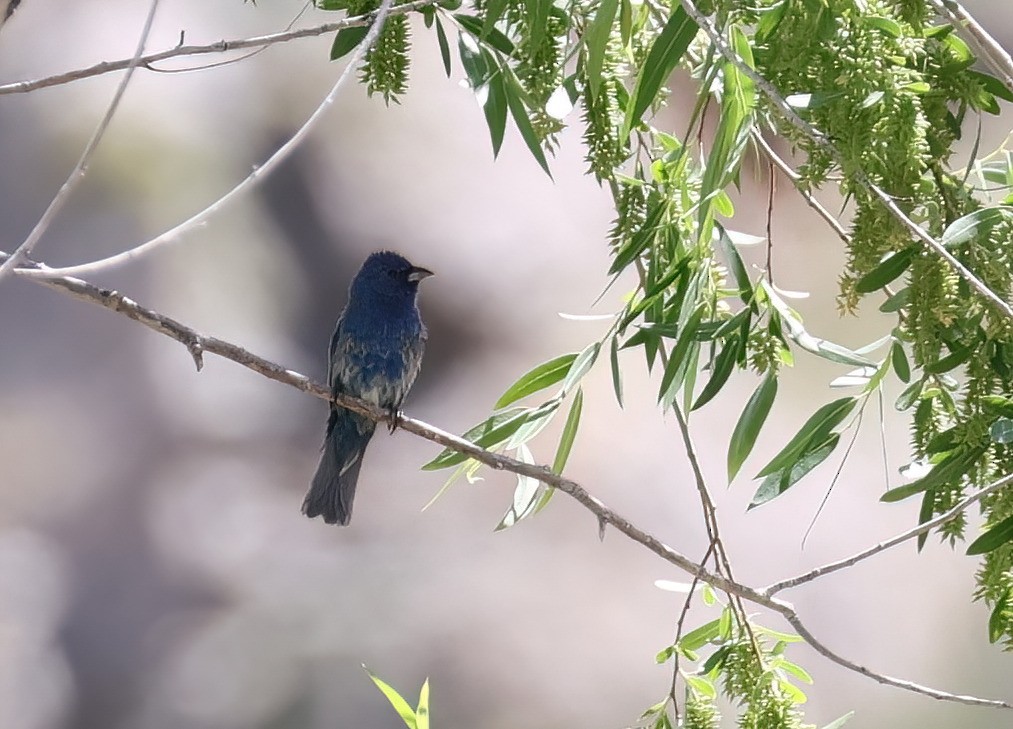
(155, 571)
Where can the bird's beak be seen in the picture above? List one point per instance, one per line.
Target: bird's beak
(417, 273)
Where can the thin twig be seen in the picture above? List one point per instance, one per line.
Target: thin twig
(679, 626)
(258, 174)
(221, 46)
(889, 543)
(771, 190)
(81, 168)
(198, 344)
(820, 139)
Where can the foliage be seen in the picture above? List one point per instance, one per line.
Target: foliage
(888, 87)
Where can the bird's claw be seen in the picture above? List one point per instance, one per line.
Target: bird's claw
(394, 414)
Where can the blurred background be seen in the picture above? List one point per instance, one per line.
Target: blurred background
(155, 571)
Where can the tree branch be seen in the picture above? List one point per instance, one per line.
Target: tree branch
(198, 344)
(889, 543)
(81, 168)
(258, 174)
(820, 139)
(221, 46)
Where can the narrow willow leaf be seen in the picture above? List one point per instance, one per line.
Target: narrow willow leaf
(542, 376)
(947, 471)
(494, 10)
(820, 347)
(997, 620)
(494, 37)
(346, 40)
(519, 112)
(975, 224)
(778, 482)
(699, 637)
(675, 370)
(735, 264)
(924, 514)
(492, 431)
(569, 433)
(581, 364)
(910, 395)
(887, 271)
(639, 240)
(422, 711)
(899, 361)
(838, 723)
(749, 424)
(954, 359)
(495, 108)
(526, 495)
(441, 37)
(816, 430)
(995, 537)
(400, 705)
(617, 379)
(724, 363)
(896, 302)
(538, 20)
(536, 422)
(595, 40)
(666, 51)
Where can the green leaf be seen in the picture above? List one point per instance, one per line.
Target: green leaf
(995, 537)
(924, 514)
(699, 637)
(1001, 431)
(899, 361)
(997, 620)
(838, 723)
(816, 430)
(724, 363)
(494, 37)
(422, 711)
(889, 270)
(974, 224)
(954, 359)
(675, 370)
(639, 240)
(493, 12)
(519, 112)
(495, 108)
(569, 432)
(538, 20)
(735, 264)
(441, 37)
(992, 85)
(947, 471)
(581, 364)
(595, 40)
(820, 347)
(346, 40)
(778, 482)
(400, 705)
(910, 395)
(542, 376)
(666, 51)
(492, 431)
(749, 424)
(526, 495)
(617, 380)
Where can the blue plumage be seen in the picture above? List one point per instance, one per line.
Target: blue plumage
(375, 355)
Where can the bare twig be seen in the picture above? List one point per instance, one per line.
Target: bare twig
(197, 344)
(81, 168)
(819, 138)
(221, 46)
(889, 543)
(258, 174)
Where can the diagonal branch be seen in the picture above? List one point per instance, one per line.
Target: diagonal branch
(258, 174)
(81, 168)
(889, 543)
(221, 46)
(820, 139)
(198, 344)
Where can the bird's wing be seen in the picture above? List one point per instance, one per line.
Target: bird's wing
(333, 370)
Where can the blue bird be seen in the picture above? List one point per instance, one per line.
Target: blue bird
(375, 355)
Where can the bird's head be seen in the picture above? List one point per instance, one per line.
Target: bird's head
(388, 274)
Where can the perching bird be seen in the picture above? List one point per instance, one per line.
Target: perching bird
(375, 355)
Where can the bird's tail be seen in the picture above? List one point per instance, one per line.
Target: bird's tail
(333, 486)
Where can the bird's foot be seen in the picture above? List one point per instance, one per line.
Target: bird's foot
(394, 414)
